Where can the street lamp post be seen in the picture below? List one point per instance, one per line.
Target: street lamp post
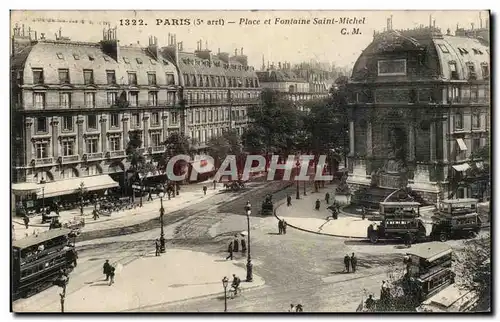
(297, 196)
(142, 190)
(162, 213)
(42, 182)
(82, 187)
(224, 284)
(248, 209)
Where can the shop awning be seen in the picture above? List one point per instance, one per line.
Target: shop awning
(66, 187)
(461, 144)
(461, 167)
(24, 188)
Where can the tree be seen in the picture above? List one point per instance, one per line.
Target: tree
(176, 144)
(134, 156)
(229, 143)
(474, 266)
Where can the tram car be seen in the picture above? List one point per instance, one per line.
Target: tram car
(456, 218)
(38, 260)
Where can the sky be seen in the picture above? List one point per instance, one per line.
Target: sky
(276, 42)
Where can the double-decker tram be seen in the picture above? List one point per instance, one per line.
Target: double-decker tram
(456, 218)
(39, 260)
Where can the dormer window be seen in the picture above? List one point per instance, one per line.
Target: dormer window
(91, 57)
(477, 51)
(165, 62)
(453, 70)
(472, 71)
(76, 56)
(126, 60)
(106, 58)
(153, 62)
(443, 48)
(60, 55)
(485, 70)
(139, 61)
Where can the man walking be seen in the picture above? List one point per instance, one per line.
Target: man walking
(205, 190)
(318, 203)
(235, 244)
(111, 275)
(243, 246)
(106, 269)
(150, 195)
(284, 226)
(354, 262)
(288, 201)
(26, 220)
(327, 198)
(280, 226)
(157, 247)
(230, 251)
(347, 263)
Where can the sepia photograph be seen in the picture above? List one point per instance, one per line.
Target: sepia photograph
(250, 161)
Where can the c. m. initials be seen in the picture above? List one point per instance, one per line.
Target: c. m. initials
(354, 31)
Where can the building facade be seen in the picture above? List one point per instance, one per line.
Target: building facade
(419, 106)
(218, 90)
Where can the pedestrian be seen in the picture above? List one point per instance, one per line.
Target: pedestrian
(150, 195)
(284, 226)
(318, 203)
(347, 263)
(73, 256)
(299, 308)
(230, 251)
(235, 244)
(243, 246)
(280, 227)
(363, 213)
(26, 220)
(105, 269)
(354, 262)
(205, 190)
(408, 238)
(292, 308)
(56, 207)
(384, 291)
(215, 184)
(157, 247)
(111, 275)
(95, 214)
(327, 198)
(288, 201)
(370, 302)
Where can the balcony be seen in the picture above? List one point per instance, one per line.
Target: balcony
(43, 161)
(94, 156)
(69, 158)
(115, 154)
(97, 104)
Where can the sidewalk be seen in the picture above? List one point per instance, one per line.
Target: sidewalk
(189, 194)
(149, 281)
(302, 215)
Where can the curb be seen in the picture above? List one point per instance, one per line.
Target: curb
(311, 231)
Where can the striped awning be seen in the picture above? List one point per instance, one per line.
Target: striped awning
(70, 186)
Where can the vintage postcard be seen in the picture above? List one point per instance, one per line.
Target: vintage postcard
(250, 161)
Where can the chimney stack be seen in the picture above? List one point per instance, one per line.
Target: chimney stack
(472, 25)
(241, 51)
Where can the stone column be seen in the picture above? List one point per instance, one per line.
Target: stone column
(28, 123)
(125, 130)
(164, 122)
(411, 142)
(104, 145)
(351, 138)
(433, 141)
(55, 142)
(145, 120)
(79, 133)
(445, 140)
(369, 138)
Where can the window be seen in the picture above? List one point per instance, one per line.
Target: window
(65, 100)
(136, 119)
(216, 118)
(193, 80)
(186, 80)
(37, 76)
(205, 81)
(42, 150)
(210, 115)
(174, 118)
(126, 60)
(151, 79)
(155, 118)
(67, 123)
(133, 98)
(170, 79)
(392, 67)
(155, 139)
(474, 94)
(67, 147)
(132, 78)
(454, 94)
(111, 77)
(200, 80)
(114, 143)
(41, 124)
(223, 81)
(212, 81)
(476, 144)
(39, 100)
(92, 122)
(90, 100)
(204, 116)
(60, 55)
(112, 96)
(459, 121)
(472, 70)
(153, 98)
(91, 145)
(76, 56)
(476, 120)
(115, 120)
(88, 76)
(443, 48)
(63, 76)
(197, 117)
(171, 98)
(93, 170)
(139, 61)
(485, 71)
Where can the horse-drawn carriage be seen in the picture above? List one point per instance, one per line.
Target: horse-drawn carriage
(267, 206)
(235, 185)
